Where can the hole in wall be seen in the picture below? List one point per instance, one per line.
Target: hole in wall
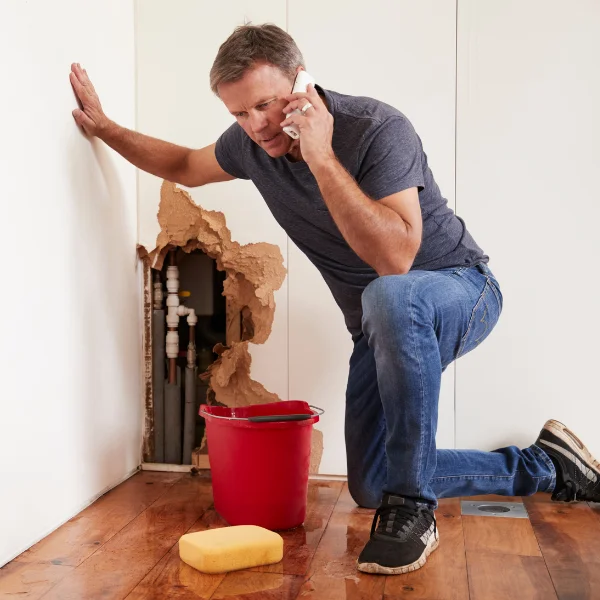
(200, 288)
(196, 283)
(250, 275)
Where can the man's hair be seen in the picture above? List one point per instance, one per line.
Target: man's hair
(250, 45)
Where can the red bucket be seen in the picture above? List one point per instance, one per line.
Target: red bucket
(259, 460)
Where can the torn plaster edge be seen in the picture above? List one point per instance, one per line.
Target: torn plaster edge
(147, 388)
(169, 468)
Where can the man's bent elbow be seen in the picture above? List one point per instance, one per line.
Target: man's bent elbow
(393, 267)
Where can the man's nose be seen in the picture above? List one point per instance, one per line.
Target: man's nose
(258, 121)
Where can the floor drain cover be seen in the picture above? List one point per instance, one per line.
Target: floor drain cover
(509, 510)
(493, 508)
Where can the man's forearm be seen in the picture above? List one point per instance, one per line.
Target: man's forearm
(163, 159)
(375, 232)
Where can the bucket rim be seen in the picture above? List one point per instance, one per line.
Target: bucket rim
(315, 412)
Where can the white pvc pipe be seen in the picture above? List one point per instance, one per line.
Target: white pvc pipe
(174, 311)
(192, 318)
(172, 315)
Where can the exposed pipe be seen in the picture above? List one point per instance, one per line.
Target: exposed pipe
(158, 371)
(176, 449)
(173, 384)
(173, 420)
(158, 295)
(172, 317)
(189, 422)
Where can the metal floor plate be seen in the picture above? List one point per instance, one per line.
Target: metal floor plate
(507, 510)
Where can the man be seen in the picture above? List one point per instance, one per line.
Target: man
(356, 195)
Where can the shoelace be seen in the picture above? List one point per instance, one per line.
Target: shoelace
(569, 493)
(403, 520)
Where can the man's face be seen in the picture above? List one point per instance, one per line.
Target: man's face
(257, 102)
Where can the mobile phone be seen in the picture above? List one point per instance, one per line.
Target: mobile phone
(300, 85)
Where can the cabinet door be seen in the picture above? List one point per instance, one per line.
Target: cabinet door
(402, 53)
(176, 46)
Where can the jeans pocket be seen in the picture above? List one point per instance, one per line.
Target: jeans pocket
(484, 316)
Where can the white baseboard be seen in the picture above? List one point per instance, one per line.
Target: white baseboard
(168, 468)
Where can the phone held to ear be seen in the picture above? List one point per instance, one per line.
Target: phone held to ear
(300, 85)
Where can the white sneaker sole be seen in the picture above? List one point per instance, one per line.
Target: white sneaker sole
(374, 568)
(576, 445)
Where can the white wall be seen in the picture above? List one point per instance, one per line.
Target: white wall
(528, 161)
(70, 360)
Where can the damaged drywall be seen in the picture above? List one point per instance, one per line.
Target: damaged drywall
(254, 273)
(229, 378)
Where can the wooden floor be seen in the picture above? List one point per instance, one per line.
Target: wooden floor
(125, 546)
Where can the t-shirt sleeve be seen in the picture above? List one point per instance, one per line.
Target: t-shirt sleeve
(229, 151)
(392, 160)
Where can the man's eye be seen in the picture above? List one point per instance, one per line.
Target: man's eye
(264, 105)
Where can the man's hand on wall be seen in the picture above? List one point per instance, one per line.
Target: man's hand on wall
(90, 117)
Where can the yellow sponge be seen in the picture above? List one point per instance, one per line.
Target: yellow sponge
(230, 548)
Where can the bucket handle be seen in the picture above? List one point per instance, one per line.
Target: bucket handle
(272, 418)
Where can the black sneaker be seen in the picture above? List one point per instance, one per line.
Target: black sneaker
(577, 471)
(405, 536)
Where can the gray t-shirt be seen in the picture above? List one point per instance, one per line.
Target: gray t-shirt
(379, 147)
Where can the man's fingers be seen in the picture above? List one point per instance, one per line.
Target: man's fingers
(310, 95)
(298, 104)
(77, 85)
(88, 82)
(82, 76)
(296, 96)
(314, 97)
(83, 88)
(295, 104)
(82, 119)
(295, 118)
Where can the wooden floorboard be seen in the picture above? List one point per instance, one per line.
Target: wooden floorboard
(332, 573)
(500, 535)
(114, 570)
(85, 533)
(494, 576)
(171, 578)
(36, 571)
(569, 537)
(300, 544)
(504, 559)
(252, 585)
(30, 580)
(125, 546)
(444, 576)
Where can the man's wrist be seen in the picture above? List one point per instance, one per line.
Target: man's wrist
(324, 165)
(107, 130)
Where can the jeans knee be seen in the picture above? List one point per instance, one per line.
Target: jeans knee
(385, 302)
(363, 496)
(383, 294)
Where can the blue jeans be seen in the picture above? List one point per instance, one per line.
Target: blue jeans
(414, 326)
